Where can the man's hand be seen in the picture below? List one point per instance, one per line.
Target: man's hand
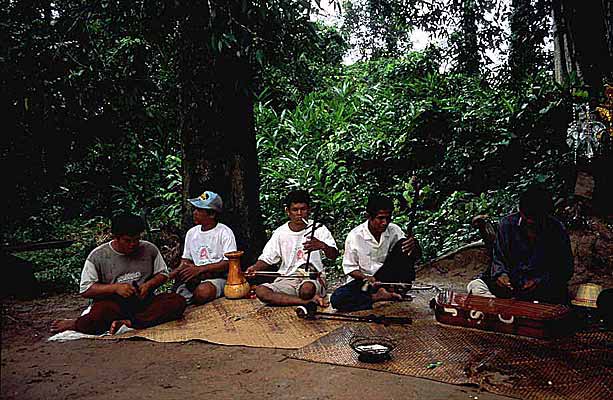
(250, 272)
(504, 281)
(174, 274)
(321, 301)
(529, 285)
(314, 244)
(371, 279)
(409, 246)
(188, 273)
(125, 290)
(143, 291)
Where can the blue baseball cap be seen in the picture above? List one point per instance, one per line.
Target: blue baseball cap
(208, 200)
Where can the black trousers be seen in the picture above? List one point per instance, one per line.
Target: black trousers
(397, 267)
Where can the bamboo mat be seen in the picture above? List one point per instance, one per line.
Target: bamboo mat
(238, 322)
(250, 323)
(577, 367)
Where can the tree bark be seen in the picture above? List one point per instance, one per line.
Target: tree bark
(582, 43)
(218, 134)
(607, 7)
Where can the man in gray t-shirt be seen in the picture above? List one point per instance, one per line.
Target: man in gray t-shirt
(120, 277)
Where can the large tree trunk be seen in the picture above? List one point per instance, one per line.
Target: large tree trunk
(607, 7)
(582, 42)
(217, 130)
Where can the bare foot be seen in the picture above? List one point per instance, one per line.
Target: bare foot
(117, 324)
(61, 325)
(321, 301)
(384, 295)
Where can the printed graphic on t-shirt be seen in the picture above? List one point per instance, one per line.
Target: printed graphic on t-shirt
(129, 277)
(204, 253)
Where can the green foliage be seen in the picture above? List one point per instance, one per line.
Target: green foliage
(60, 270)
(95, 115)
(309, 57)
(467, 29)
(472, 146)
(91, 99)
(448, 226)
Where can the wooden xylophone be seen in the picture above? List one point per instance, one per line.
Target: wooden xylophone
(517, 317)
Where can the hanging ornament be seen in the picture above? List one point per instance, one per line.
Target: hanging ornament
(584, 134)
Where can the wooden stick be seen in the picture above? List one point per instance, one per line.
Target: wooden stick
(55, 244)
(279, 275)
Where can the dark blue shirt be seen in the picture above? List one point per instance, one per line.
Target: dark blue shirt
(548, 261)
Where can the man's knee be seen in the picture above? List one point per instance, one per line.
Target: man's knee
(100, 317)
(341, 298)
(336, 299)
(479, 288)
(204, 292)
(175, 303)
(307, 291)
(263, 293)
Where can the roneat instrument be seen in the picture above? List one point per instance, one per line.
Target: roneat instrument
(309, 312)
(236, 286)
(517, 317)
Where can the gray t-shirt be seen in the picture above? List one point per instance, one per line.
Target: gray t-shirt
(105, 265)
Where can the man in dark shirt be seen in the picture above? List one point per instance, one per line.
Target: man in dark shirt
(532, 257)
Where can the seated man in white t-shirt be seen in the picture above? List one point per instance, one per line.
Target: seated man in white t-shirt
(203, 270)
(375, 251)
(290, 245)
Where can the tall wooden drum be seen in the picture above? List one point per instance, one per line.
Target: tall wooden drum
(237, 286)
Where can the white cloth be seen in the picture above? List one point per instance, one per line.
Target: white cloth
(286, 246)
(106, 265)
(208, 247)
(364, 253)
(74, 335)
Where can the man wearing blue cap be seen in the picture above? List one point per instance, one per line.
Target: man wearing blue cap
(202, 273)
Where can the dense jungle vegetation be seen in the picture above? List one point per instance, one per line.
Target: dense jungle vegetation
(107, 103)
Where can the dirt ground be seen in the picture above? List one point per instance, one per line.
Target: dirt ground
(95, 369)
(33, 368)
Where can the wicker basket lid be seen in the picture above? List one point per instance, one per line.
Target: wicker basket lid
(587, 294)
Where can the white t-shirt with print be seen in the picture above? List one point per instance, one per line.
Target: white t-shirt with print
(286, 246)
(208, 247)
(364, 253)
